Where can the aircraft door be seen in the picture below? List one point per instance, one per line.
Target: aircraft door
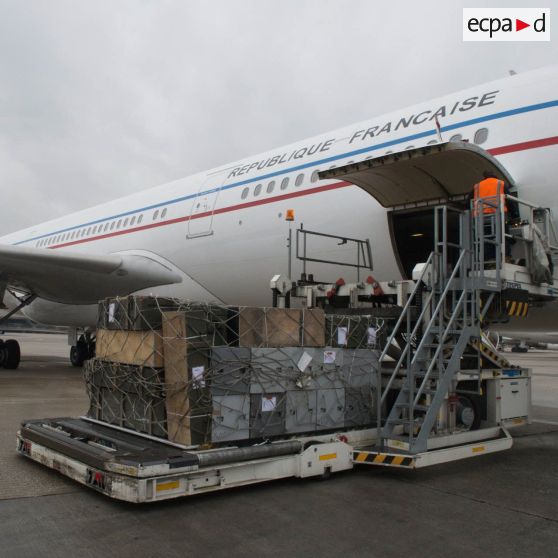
(204, 204)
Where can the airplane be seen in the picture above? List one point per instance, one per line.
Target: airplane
(219, 235)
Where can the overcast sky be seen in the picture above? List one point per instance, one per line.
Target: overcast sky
(99, 99)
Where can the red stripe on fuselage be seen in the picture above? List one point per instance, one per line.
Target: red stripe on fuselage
(228, 209)
(494, 151)
(523, 146)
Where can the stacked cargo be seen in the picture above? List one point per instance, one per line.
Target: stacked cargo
(202, 374)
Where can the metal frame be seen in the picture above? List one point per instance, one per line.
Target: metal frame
(362, 248)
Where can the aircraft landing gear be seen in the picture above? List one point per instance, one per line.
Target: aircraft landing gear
(83, 350)
(10, 354)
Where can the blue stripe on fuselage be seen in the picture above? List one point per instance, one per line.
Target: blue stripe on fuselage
(470, 122)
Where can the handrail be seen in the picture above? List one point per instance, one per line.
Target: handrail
(406, 307)
(406, 349)
(426, 377)
(441, 300)
(435, 315)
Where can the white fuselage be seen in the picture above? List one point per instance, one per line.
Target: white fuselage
(227, 234)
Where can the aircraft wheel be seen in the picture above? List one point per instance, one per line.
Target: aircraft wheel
(518, 349)
(12, 354)
(78, 354)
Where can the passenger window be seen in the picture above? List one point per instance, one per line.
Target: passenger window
(132, 221)
(481, 135)
(106, 226)
(432, 142)
(140, 218)
(457, 137)
(299, 179)
(125, 222)
(112, 225)
(257, 190)
(314, 176)
(155, 215)
(284, 183)
(270, 187)
(410, 147)
(245, 193)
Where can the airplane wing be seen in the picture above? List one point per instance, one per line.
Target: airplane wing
(78, 278)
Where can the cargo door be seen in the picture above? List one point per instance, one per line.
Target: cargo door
(433, 173)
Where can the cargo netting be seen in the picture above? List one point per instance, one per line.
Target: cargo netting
(209, 375)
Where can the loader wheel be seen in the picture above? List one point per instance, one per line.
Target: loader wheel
(13, 354)
(468, 412)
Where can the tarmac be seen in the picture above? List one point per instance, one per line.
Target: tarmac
(504, 504)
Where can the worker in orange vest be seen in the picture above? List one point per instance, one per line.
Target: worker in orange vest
(488, 190)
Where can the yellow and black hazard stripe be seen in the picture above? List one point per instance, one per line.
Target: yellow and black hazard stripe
(387, 459)
(517, 308)
(491, 355)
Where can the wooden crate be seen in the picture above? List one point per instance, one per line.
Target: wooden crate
(269, 327)
(130, 347)
(187, 416)
(313, 327)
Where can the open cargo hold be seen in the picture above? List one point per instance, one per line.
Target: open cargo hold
(210, 375)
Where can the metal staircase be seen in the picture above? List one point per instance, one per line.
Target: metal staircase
(448, 322)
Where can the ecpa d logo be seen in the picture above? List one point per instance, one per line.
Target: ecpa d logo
(506, 24)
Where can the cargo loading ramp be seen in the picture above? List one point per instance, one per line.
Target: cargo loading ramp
(433, 173)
